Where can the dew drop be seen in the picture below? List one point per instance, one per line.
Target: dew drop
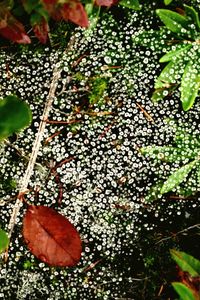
(107, 60)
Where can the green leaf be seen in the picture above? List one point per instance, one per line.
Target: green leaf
(182, 138)
(14, 116)
(177, 177)
(153, 39)
(154, 192)
(30, 5)
(174, 54)
(189, 85)
(98, 87)
(158, 95)
(186, 140)
(167, 2)
(35, 19)
(184, 292)
(93, 13)
(186, 262)
(42, 12)
(193, 14)
(168, 76)
(164, 79)
(89, 8)
(198, 173)
(4, 240)
(169, 153)
(161, 93)
(132, 4)
(173, 21)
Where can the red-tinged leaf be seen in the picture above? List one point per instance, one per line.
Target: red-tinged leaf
(51, 237)
(53, 9)
(12, 29)
(56, 15)
(41, 30)
(107, 3)
(75, 12)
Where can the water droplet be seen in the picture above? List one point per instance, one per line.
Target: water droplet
(107, 60)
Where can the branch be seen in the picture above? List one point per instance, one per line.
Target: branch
(36, 146)
(179, 232)
(37, 143)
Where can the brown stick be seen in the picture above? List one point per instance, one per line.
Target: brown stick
(25, 180)
(37, 143)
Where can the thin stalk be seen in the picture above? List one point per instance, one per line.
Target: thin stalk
(37, 143)
(36, 146)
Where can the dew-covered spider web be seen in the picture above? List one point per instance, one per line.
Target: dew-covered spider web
(100, 177)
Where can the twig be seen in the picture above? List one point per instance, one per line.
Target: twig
(49, 101)
(61, 122)
(149, 118)
(179, 232)
(57, 177)
(25, 180)
(92, 265)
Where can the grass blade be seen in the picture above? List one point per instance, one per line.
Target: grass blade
(175, 54)
(184, 292)
(186, 262)
(177, 177)
(172, 20)
(4, 240)
(189, 85)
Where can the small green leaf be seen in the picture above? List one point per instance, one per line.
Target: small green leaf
(173, 21)
(177, 177)
(198, 173)
(158, 95)
(35, 19)
(42, 11)
(164, 79)
(30, 5)
(184, 292)
(89, 8)
(186, 262)
(28, 264)
(185, 140)
(4, 240)
(98, 87)
(175, 54)
(189, 85)
(93, 14)
(132, 4)
(14, 116)
(153, 39)
(167, 2)
(193, 14)
(168, 76)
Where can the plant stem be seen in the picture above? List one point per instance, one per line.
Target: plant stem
(39, 136)
(25, 180)
(179, 232)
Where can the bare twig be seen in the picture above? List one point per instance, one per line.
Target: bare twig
(25, 180)
(36, 145)
(179, 232)
(149, 118)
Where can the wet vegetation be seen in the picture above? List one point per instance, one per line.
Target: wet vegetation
(118, 160)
